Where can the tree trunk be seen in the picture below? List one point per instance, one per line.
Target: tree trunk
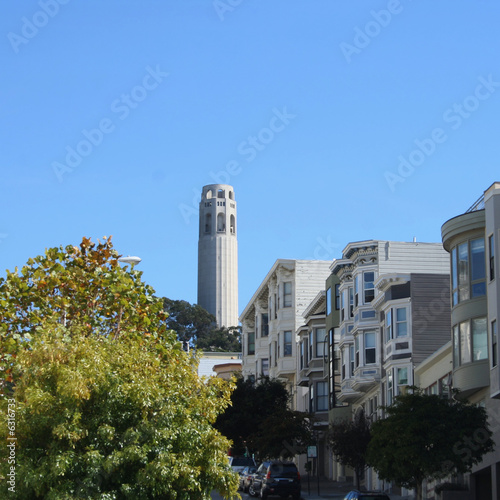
(419, 490)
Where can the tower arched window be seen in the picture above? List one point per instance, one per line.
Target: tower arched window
(221, 223)
(209, 194)
(231, 195)
(232, 224)
(221, 194)
(208, 223)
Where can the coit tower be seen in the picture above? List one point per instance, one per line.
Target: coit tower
(218, 254)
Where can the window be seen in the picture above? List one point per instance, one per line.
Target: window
(389, 388)
(351, 302)
(351, 360)
(303, 351)
(232, 224)
(491, 247)
(264, 324)
(221, 223)
(256, 327)
(470, 341)
(287, 294)
(275, 307)
(478, 268)
(321, 396)
(287, 344)
(454, 277)
(479, 339)
(251, 343)
(468, 271)
(208, 223)
(465, 355)
(456, 346)
(388, 326)
(276, 351)
(320, 342)
(402, 379)
(337, 297)
(220, 193)
(494, 343)
(311, 343)
(401, 324)
(463, 272)
(328, 301)
(368, 287)
(370, 350)
(356, 343)
(345, 360)
(356, 290)
(265, 367)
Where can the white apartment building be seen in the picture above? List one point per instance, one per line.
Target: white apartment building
(272, 317)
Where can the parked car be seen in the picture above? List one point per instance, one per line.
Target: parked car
(239, 463)
(366, 495)
(276, 478)
(246, 476)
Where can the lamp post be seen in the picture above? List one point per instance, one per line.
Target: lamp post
(130, 259)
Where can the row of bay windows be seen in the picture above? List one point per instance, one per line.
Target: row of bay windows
(315, 345)
(280, 348)
(364, 349)
(363, 292)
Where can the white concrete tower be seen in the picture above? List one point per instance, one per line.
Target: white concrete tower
(218, 254)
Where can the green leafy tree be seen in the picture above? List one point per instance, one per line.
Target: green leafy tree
(107, 404)
(220, 340)
(197, 327)
(426, 436)
(348, 440)
(259, 420)
(188, 321)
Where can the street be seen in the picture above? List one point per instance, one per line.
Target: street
(216, 496)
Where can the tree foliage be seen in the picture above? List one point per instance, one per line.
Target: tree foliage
(107, 404)
(348, 440)
(199, 329)
(260, 422)
(427, 436)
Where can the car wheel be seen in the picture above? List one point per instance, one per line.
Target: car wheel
(251, 491)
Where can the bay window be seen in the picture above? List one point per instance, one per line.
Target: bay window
(370, 349)
(468, 270)
(470, 341)
(320, 334)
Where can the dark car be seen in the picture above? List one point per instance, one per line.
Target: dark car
(276, 478)
(366, 495)
(246, 476)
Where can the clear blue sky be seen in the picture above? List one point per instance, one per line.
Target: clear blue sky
(311, 105)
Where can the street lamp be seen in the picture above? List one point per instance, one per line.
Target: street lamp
(132, 260)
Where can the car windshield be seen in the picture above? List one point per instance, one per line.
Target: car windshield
(284, 469)
(241, 461)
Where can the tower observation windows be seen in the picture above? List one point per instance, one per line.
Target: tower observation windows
(208, 223)
(221, 223)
